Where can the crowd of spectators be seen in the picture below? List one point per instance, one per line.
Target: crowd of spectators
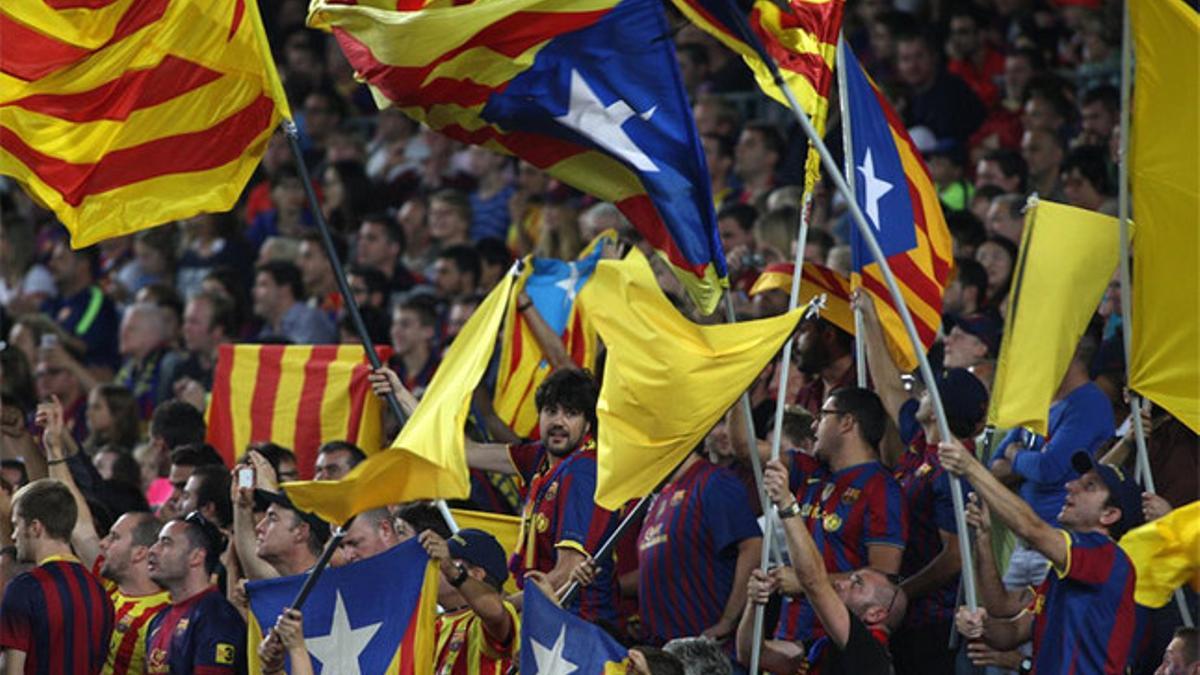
(110, 351)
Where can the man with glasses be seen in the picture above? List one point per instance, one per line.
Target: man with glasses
(201, 632)
(858, 611)
(849, 501)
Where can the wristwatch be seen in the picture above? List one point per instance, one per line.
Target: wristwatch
(789, 512)
(1026, 666)
(460, 577)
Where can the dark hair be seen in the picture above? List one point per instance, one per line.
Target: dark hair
(797, 424)
(1011, 164)
(424, 306)
(465, 258)
(236, 286)
(376, 281)
(196, 455)
(125, 469)
(866, 409)
(493, 251)
(1104, 94)
(284, 273)
(724, 144)
(123, 410)
(965, 228)
(223, 312)
(274, 453)
(456, 200)
(772, 139)
(339, 243)
(822, 239)
(356, 453)
(164, 296)
(744, 214)
(572, 389)
(660, 662)
(970, 274)
(201, 533)
(377, 323)
(118, 496)
(145, 530)
(1191, 643)
(1011, 249)
(20, 466)
(391, 229)
(212, 487)
(1092, 163)
(695, 51)
(177, 423)
(49, 502)
(424, 516)
(358, 194)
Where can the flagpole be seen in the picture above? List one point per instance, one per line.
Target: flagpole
(868, 236)
(339, 272)
(860, 346)
(1142, 460)
(326, 555)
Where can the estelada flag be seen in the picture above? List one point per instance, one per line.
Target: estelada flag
(298, 396)
(119, 116)
(815, 280)
(893, 188)
(375, 615)
(588, 91)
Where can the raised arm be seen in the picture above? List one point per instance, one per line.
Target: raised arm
(55, 439)
(253, 566)
(884, 373)
(487, 603)
(552, 347)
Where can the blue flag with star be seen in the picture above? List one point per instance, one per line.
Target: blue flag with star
(556, 642)
(371, 616)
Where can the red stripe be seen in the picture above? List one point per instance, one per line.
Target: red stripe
(577, 346)
(81, 619)
(518, 346)
(184, 153)
(28, 55)
(239, 11)
(914, 281)
(308, 410)
(812, 67)
(220, 416)
(262, 408)
(117, 99)
(509, 37)
(133, 637)
(77, 4)
(925, 333)
(822, 19)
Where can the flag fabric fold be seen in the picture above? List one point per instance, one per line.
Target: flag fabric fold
(372, 616)
(1164, 160)
(552, 286)
(555, 641)
(666, 380)
(799, 35)
(119, 116)
(899, 200)
(298, 396)
(1066, 259)
(1165, 554)
(815, 280)
(587, 90)
(427, 460)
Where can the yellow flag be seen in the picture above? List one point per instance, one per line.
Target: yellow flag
(1165, 165)
(1166, 554)
(1067, 257)
(506, 529)
(666, 379)
(427, 460)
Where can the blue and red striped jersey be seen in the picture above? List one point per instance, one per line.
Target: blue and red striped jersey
(203, 634)
(560, 511)
(926, 488)
(1090, 604)
(59, 614)
(688, 549)
(846, 511)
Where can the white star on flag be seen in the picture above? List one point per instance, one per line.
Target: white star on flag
(338, 650)
(550, 661)
(589, 116)
(568, 284)
(875, 188)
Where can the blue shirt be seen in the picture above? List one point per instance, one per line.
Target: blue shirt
(1082, 420)
(490, 217)
(90, 316)
(303, 325)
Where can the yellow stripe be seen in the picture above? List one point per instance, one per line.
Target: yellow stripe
(287, 397)
(88, 28)
(370, 426)
(88, 142)
(485, 66)
(150, 202)
(335, 403)
(796, 39)
(242, 380)
(599, 174)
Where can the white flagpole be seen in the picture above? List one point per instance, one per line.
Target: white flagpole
(860, 347)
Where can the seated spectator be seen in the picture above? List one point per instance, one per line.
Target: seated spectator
(335, 459)
(208, 323)
(1100, 111)
(278, 295)
(1086, 181)
(112, 418)
(756, 157)
(1043, 153)
(212, 240)
(414, 330)
(381, 247)
(971, 58)
(967, 288)
(937, 99)
(316, 272)
(456, 272)
(998, 256)
(185, 460)
(147, 357)
(1006, 217)
(1003, 168)
(449, 219)
(494, 262)
(489, 200)
(289, 215)
(88, 317)
(967, 233)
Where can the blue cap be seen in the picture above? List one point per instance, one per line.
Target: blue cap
(481, 549)
(1121, 489)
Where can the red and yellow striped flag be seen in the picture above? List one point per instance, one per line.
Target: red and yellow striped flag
(119, 115)
(801, 39)
(815, 280)
(298, 396)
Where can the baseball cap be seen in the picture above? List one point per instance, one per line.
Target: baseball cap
(964, 398)
(1121, 489)
(266, 498)
(983, 326)
(481, 549)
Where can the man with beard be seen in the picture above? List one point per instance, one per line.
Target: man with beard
(136, 598)
(201, 632)
(824, 351)
(560, 522)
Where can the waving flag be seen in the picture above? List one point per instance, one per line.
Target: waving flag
(298, 396)
(1166, 555)
(815, 280)
(895, 192)
(552, 286)
(555, 641)
(799, 35)
(372, 616)
(588, 91)
(120, 116)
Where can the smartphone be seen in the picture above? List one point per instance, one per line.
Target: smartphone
(246, 477)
